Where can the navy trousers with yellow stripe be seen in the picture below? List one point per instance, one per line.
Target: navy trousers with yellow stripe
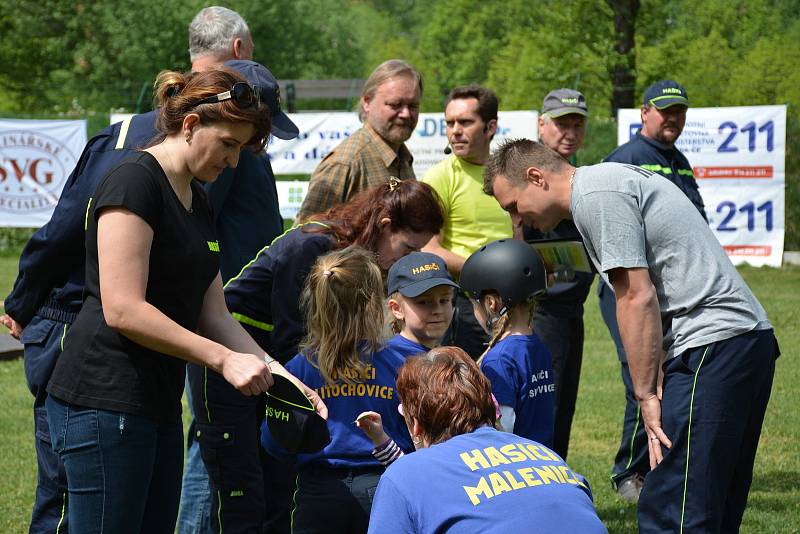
(250, 490)
(43, 338)
(714, 399)
(632, 457)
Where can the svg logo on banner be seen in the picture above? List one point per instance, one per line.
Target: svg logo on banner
(33, 169)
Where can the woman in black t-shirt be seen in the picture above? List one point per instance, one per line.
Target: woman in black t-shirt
(152, 281)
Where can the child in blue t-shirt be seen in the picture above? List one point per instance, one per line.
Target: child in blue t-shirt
(421, 294)
(344, 360)
(502, 279)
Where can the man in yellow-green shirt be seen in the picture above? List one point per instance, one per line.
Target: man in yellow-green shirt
(472, 218)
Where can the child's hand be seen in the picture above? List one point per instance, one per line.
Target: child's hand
(372, 425)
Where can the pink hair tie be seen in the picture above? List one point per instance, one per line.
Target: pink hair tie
(497, 414)
(326, 273)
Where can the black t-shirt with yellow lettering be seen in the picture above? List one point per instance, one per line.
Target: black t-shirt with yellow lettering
(100, 367)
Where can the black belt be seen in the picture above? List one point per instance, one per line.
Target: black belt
(56, 312)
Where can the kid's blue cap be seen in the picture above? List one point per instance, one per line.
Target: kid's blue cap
(414, 274)
(292, 420)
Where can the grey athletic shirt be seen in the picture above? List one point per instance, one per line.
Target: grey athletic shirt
(630, 217)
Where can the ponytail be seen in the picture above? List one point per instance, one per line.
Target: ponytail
(501, 326)
(343, 305)
(179, 94)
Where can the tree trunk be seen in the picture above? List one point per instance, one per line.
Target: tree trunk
(622, 66)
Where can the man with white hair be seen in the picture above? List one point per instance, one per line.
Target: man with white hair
(389, 109)
(218, 34)
(245, 206)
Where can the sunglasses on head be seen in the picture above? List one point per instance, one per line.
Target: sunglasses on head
(243, 95)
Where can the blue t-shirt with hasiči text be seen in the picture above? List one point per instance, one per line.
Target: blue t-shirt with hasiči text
(520, 369)
(374, 391)
(486, 481)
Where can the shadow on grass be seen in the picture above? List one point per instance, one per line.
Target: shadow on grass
(775, 481)
(769, 491)
(618, 516)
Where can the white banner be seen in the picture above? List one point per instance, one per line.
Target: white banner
(738, 156)
(321, 132)
(36, 157)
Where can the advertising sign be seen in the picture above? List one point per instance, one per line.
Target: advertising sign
(738, 157)
(36, 158)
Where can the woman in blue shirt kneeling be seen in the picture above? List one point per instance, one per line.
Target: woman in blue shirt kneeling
(466, 476)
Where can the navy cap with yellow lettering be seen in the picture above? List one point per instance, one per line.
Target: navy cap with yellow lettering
(414, 274)
(292, 420)
(664, 94)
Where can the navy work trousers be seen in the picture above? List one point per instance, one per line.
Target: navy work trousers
(714, 399)
(632, 456)
(250, 490)
(42, 340)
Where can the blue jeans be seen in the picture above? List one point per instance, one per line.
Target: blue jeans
(195, 510)
(123, 470)
(42, 339)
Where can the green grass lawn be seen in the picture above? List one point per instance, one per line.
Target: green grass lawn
(774, 504)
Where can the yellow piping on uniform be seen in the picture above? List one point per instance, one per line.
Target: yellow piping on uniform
(248, 264)
(689, 437)
(63, 335)
(252, 322)
(123, 133)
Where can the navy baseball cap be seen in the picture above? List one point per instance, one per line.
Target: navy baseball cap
(414, 274)
(564, 102)
(292, 420)
(260, 77)
(664, 94)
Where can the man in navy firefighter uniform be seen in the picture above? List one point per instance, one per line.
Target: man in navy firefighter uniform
(653, 148)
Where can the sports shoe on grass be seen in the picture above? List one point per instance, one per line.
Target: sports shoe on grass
(630, 488)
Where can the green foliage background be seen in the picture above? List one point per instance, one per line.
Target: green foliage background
(83, 58)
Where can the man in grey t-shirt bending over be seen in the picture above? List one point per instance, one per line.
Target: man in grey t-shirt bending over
(684, 314)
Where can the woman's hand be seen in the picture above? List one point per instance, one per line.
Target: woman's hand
(247, 373)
